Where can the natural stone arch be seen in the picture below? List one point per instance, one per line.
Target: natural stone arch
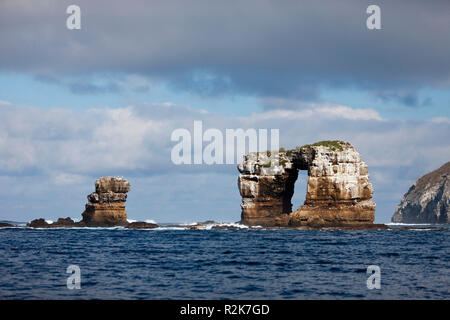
(338, 188)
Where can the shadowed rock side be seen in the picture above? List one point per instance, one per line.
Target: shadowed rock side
(338, 190)
(428, 199)
(141, 225)
(6, 225)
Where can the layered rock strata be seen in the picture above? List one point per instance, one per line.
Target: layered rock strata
(106, 206)
(339, 192)
(427, 200)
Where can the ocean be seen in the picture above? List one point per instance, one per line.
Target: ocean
(169, 263)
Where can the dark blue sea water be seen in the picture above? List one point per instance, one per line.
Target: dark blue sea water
(223, 264)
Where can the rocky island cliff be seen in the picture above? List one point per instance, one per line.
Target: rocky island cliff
(427, 200)
(339, 193)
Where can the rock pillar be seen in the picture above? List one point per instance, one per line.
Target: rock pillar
(106, 206)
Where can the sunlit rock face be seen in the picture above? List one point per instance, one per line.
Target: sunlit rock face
(428, 199)
(266, 188)
(106, 206)
(338, 187)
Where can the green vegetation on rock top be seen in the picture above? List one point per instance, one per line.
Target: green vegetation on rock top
(333, 145)
(268, 164)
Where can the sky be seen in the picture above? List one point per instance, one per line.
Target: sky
(103, 100)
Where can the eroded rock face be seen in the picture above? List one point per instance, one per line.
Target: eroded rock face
(266, 189)
(106, 206)
(112, 185)
(338, 190)
(428, 199)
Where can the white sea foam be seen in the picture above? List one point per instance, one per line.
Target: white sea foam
(201, 226)
(225, 224)
(93, 228)
(147, 221)
(189, 224)
(209, 226)
(409, 224)
(167, 228)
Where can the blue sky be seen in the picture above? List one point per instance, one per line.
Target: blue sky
(435, 101)
(46, 95)
(103, 100)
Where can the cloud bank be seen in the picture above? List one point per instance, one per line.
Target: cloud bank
(49, 158)
(267, 48)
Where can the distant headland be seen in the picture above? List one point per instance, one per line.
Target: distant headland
(427, 200)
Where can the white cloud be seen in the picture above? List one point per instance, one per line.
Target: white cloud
(5, 103)
(68, 179)
(63, 152)
(323, 111)
(262, 48)
(441, 120)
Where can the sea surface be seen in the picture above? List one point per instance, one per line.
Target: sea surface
(172, 263)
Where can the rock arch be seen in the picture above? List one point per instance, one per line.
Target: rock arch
(338, 189)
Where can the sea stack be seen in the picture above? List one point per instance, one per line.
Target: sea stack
(427, 200)
(339, 193)
(106, 206)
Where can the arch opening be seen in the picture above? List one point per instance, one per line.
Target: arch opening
(300, 188)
